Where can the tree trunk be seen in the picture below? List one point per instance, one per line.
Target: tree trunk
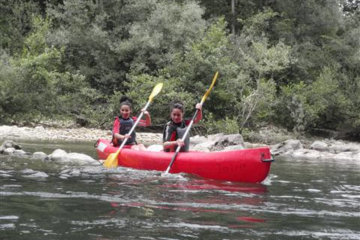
(233, 16)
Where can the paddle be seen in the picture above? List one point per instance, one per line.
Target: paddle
(111, 160)
(191, 123)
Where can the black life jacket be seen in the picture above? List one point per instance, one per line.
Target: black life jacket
(125, 127)
(173, 131)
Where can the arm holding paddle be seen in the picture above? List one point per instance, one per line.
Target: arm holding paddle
(125, 121)
(147, 119)
(118, 136)
(171, 142)
(199, 114)
(177, 142)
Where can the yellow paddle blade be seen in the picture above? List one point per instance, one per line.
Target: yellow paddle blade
(111, 161)
(211, 86)
(155, 91)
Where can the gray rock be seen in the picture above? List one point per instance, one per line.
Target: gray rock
(203, 147)
(63, 157)
(224, 141)
(320, 146)
(9, 151)
(357, 156)
(215, 137)
(198, 139)
(234, 147)
(9, 144)
(39, 155)
(327, 156)
(72, 173)
(81, 159)
(306, 154)
(232, 139)
(319, 150)
(27, 171)
(339, 146)
(57, 155)
(37, 175)
(345, 156)
(19, 153)
(39, 128)
(286, 146)
(217, 142)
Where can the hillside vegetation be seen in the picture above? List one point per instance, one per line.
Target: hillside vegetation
(293, 64)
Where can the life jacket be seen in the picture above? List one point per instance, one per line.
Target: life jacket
(172, 132)
(125, 127)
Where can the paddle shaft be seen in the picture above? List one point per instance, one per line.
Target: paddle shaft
(183, 139)
(133, 127)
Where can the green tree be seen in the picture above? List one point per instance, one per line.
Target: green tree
(262, 67)
(168, 28)
(35, 85)
(15, 23)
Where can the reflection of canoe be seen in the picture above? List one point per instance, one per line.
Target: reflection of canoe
(247, 165)
(214, 185)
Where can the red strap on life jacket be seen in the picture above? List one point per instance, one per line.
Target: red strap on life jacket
(172, 138)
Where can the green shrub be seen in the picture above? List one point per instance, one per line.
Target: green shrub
(226, 126)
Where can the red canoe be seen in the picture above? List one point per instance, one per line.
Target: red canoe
(247, 165)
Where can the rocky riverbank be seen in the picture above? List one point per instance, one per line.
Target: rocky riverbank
(67, 134)
(323, 149)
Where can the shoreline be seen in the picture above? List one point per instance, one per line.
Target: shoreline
(279, 142)
(40, 133)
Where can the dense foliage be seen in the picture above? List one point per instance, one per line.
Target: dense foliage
(289, 63)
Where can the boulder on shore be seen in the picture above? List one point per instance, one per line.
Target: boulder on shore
(321, 150)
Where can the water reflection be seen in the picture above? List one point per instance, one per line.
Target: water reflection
(301, 200)
(200, 203)
(213, 185)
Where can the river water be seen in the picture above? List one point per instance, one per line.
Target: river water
(300, 199)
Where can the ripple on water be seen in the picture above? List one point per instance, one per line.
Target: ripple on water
(30, 173)
(333, 233)
(37, 175)
(101, 222)
(6, 173)
(6, 226)
(312, 190)
(345, 202)
(7, 186)
(7, 222)
(308, 205)
(11, 217)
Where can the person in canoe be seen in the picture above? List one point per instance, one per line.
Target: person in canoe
(124, 122)
(174, 129)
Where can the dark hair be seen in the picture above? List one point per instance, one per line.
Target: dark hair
(124, 100)
(178, 105)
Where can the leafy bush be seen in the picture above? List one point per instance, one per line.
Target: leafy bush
(226, 126)
(308, 106)
(35, 85)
